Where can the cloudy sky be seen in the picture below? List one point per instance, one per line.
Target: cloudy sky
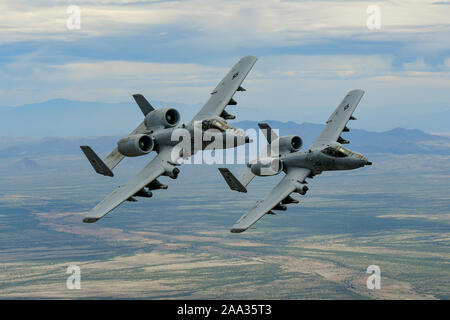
(310, 54)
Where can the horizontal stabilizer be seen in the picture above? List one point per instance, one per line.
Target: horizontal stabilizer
(145, 106)
(246, 177)
(99, 166)
(232, 181)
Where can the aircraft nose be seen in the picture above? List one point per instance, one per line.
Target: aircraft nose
(367, 162)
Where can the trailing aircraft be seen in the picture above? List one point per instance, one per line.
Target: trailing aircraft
(282, 154)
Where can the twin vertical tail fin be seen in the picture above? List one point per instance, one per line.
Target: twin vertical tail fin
(97, 163)
(268, 132)
(112, 160)
(145, 106)
(240, 184)
(232, 181)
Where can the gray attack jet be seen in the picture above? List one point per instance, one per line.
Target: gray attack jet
(156, 133)
(325, 154)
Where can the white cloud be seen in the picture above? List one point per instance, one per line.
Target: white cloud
(307, 84)
(286, 79)
(287, 87)
(110, 81)
(326, 66)
(270, 22)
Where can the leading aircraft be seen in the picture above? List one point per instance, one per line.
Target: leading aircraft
(156, 133)
(325, 154)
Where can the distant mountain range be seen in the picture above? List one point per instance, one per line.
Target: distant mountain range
(63, 118)
(396, 141)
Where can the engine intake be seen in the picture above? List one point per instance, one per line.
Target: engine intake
(290, 143)
(267, 167)
(167, 118)
(135, 145)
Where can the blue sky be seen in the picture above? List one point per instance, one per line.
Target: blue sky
(310, 54)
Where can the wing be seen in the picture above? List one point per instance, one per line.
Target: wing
(152, 171)
(290, 183)
(222, 95)
(338, 120)
(246, 176)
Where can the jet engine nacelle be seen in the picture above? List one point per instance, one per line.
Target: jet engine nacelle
(290, 143)
(167, 118)
(266, 167)
(135, 145)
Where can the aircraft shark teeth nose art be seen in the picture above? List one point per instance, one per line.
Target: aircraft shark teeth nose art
(155, 133)
(325, 154)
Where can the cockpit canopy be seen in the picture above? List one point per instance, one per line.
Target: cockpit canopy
(215, 124)
(337, 151)
(221, 125)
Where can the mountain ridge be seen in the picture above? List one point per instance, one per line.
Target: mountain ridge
(395, 141)
(64, 117)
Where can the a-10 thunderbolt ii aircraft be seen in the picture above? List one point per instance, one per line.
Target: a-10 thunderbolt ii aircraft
(325, 154)
(155, 133)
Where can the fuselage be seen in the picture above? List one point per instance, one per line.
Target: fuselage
(194, 137)
(318, 161)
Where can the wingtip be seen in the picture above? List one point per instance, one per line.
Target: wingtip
(237, 230)
(90, 220)
(250, 57)
(361, 91)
